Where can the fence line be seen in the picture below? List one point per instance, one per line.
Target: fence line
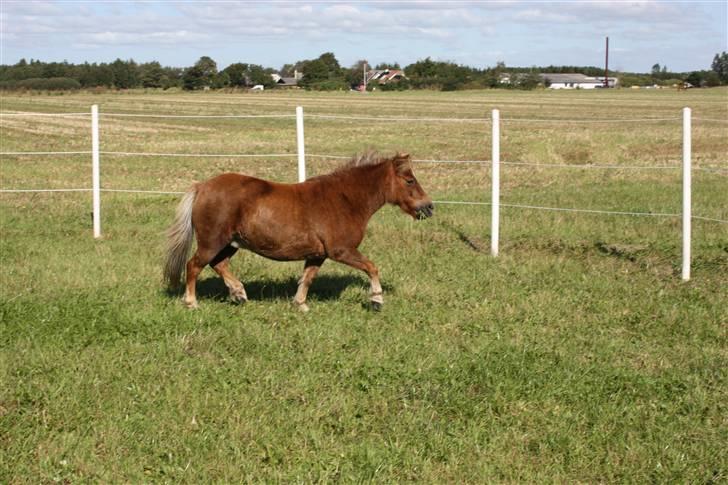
(360, 118)
(495, 163)
(87, 152)
(393, 118)
(146, 115)
(495, 183)
(714, 120)
(344, 157)
(588, 211)
(3, 115)
(132, 191)
(201, 155)
(443, 202)
(606, 120)
(488, 120)
(95, 170)
(565, 209)
(537, 164)
(11, 191)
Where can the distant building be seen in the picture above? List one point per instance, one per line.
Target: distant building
(611, 81)
(576, 81)
(385, 76)
(287, 82)
(504, 78)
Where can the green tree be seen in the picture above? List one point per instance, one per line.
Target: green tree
(221, 80)
(720, 66)
(289, 70)
(259, 75)
(355, 74)
(446, 76)
(152, 75)
(711, 79)
(528, 80)
(313, 72)
(200, 75)
(237, 73)
(124, 73)
(332, 65)
(103, 75)
(387, 65)
(695, 78)
(242, 74)
(323, 73)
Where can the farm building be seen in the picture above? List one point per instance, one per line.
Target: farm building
(287, 82)
(384, 76)
(576, 81)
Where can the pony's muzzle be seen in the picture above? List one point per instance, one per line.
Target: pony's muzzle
(424, 211)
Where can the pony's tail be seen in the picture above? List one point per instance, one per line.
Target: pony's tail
(179, 240)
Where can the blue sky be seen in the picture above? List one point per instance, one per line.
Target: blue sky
(684, 36)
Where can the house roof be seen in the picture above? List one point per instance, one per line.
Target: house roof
(570, 78)
(384, 75)
(288, 81)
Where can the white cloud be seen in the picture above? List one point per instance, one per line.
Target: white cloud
(471, 32)
(117, 38)
(543, 15)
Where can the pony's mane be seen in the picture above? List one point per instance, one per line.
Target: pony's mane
(369, 157)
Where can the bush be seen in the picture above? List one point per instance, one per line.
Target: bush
(42, 84)
(329, 85)
(401, 85)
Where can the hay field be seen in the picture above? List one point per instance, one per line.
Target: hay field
(577, 355)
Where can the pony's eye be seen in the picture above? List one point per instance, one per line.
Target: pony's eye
(410, 181)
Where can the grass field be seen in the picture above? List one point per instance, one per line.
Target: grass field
(577, 355)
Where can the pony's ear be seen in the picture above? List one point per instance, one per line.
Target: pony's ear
(402, 161)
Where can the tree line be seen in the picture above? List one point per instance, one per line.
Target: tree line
(322, 73)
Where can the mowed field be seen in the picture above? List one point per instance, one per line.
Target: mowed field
(577, 355)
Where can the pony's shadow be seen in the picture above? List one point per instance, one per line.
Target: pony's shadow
(324, 287)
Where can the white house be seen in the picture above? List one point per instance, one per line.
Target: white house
(576, 81)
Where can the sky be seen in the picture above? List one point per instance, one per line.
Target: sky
(684, 36)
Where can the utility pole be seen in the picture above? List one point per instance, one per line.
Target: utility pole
(606, 65)
(364, 67)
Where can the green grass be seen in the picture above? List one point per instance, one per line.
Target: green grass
(578, 355)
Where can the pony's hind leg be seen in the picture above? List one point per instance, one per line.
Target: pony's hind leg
(221, 265)
(352, 257)
(310, 270)
(195, 265)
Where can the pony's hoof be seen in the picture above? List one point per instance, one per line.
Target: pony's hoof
(376, 306)
(191, 305)
(239, 298)
(302, 307)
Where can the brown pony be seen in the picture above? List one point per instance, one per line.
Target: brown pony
(323, 217)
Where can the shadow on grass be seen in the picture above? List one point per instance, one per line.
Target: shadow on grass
(324, 287)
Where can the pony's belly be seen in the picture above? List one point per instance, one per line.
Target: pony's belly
(280, 251)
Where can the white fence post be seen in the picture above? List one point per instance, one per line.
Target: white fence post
(299, 142)
(687, 188)
(95, 173)
(495, 189)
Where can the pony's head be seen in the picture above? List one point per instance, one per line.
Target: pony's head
(405, 191)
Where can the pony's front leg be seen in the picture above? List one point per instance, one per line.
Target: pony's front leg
(235, 287)
(352, 257)
(310, 270)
